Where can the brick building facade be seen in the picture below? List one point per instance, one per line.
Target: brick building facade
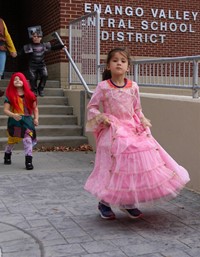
(156, 28)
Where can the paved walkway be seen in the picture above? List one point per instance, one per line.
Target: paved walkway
(46, 213)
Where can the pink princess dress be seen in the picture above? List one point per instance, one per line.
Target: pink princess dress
(130, 166)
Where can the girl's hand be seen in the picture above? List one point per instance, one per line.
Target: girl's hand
(16, 116)
(146, 122)
(106, 122)
(103, 119)
(36, 122)
(14, 54)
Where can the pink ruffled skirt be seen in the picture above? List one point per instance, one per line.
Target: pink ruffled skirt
(132, 168)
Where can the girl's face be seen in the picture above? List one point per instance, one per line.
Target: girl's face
(18, 83)
(118, 64)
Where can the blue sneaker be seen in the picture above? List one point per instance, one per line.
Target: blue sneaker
(133, 213)
(106, 212)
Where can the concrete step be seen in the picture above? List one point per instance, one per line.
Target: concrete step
(69, 141)
(48, 119)
(72, 141)
(50, 83)
(52, 130)
(57, 124)
(47, 100)
(51, 109)
(56, 109)
(52, 88)
(52, 100)
(58, 119)
(53, 92)
(59, 130)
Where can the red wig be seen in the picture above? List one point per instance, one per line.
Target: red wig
(12, 94)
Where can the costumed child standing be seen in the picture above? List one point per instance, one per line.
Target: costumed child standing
(130, 166)
(19, 105)
(36, 51)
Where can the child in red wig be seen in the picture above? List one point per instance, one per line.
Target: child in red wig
(19, 105)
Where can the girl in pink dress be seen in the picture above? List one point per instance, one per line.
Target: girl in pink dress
(130, 166)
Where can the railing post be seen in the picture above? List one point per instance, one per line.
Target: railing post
(195, 92)
(70, 51)
(136, 74)
(98, 46)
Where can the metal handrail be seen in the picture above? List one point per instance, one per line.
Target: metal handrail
(79, 46)
(194, 59)
(148, 77)
(55, 34)
(168, 59)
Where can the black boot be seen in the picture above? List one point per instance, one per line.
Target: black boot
(28, 162)
(1, 93)
(7, 158)
(34, 90)
(41, 91)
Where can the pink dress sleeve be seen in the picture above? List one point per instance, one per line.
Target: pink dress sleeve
(139, 116)
(94, 115)
(137, 104)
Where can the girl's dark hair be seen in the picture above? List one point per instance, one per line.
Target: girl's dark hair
(107, 74)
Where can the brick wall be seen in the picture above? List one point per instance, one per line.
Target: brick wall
(47, 14)
(55, 15)
(175, 16)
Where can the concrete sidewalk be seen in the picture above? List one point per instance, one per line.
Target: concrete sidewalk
(46, 213)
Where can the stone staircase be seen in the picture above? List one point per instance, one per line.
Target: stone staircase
(57, 123)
